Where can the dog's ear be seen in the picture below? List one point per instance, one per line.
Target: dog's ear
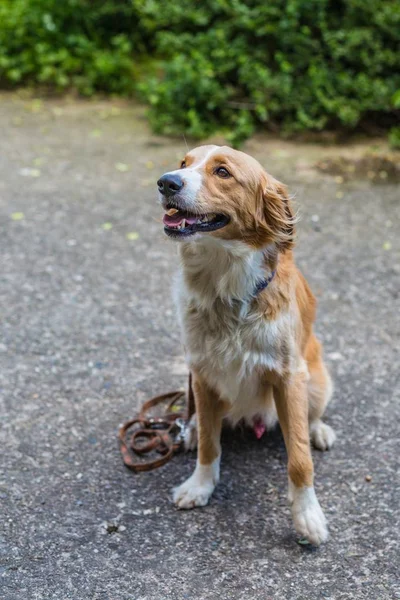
(275, 214)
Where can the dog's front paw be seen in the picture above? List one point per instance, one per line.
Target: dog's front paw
(322, 435)
(192, 493)
(309, 520)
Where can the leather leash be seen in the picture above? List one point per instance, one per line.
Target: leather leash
(163, 434)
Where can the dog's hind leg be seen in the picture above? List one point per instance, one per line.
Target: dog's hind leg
(320, 390)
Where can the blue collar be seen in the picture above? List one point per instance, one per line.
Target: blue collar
(261, 285)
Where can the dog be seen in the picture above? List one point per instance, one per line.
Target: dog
(246, 314)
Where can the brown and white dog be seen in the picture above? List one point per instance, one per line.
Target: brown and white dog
(246, 314)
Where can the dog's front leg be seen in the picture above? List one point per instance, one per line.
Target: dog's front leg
(292, 407)
(197, 490)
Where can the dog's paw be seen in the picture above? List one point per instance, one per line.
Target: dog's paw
(322, 435)
(192, 493)
(190, 440)
(309, 520)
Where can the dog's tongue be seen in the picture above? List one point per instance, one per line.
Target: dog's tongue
(172, 220)
(177, 218)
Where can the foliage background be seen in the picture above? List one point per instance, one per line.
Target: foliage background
(216, 65)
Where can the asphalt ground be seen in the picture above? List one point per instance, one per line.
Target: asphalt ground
(88, 332)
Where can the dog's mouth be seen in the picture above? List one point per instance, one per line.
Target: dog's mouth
(180, 223)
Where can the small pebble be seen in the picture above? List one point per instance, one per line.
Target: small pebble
(368, 478)
(303, 542)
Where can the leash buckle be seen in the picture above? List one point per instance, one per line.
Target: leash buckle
(154, 423)
(182, 426)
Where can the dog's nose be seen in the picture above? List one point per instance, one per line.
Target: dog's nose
(169, 184)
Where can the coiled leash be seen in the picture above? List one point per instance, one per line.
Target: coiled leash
(162, 433)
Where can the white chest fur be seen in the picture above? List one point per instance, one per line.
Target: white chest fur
(228, 340)
(232, 351)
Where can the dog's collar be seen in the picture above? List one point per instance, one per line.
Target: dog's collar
(261, 285)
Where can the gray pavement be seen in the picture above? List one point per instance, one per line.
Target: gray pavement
(87, 333)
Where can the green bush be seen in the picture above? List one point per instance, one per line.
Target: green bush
(212, 65)
(68, 44)
(295, 64)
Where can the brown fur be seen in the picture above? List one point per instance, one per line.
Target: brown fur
(261, 215)
(224, 324)
(210, 412)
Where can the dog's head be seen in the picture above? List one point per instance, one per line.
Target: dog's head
(221, 192)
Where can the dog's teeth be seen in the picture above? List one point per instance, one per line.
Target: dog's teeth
(207, 218)
(183, 224)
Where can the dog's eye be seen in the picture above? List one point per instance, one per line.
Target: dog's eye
(222, 172)
(183, 164)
